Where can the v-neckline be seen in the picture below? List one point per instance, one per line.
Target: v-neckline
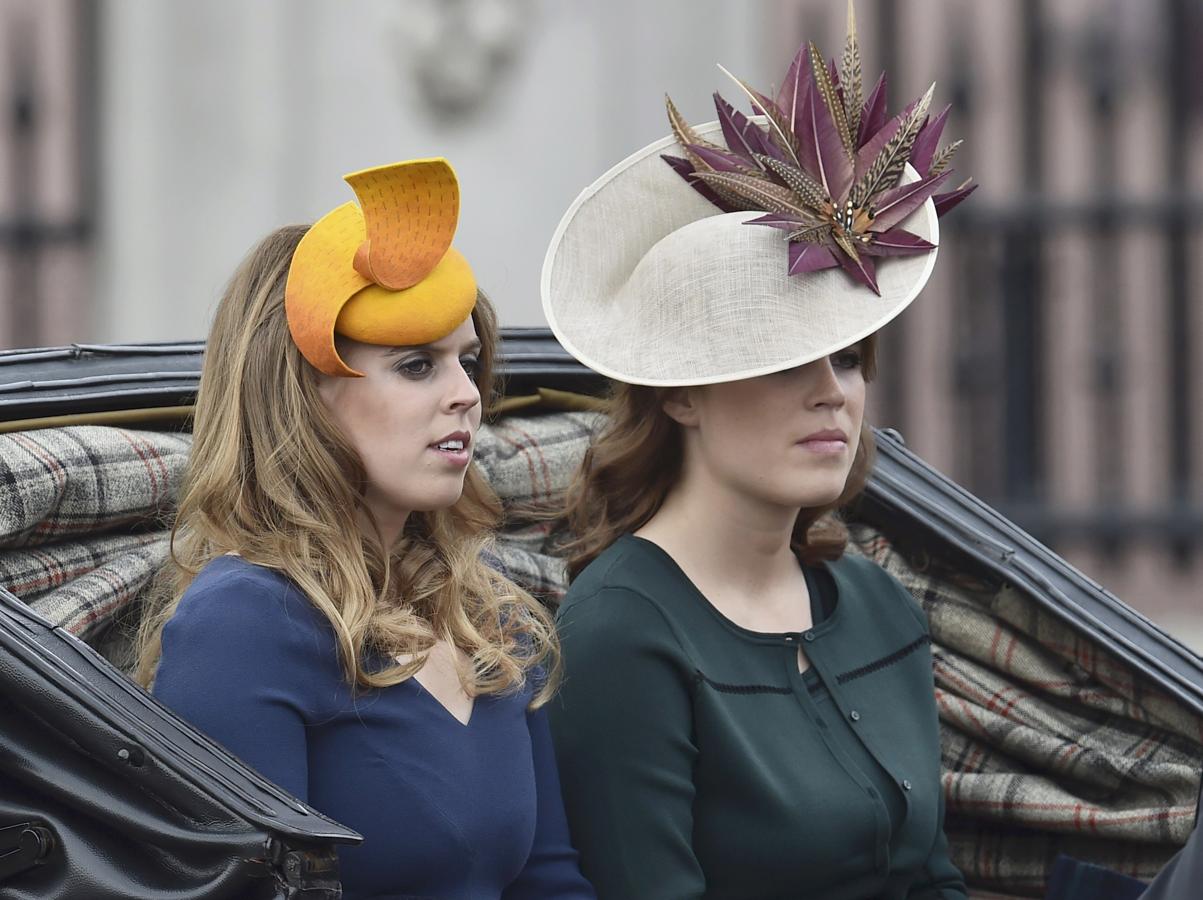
(463, 723)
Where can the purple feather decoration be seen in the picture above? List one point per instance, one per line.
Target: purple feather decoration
(869, 150)
(744, 137)
(807, 257)
(896, 242)
(946, 202)
(873, 117)
(928, 138)
(834, 74)
(820, 149)
(684, 168)
(795, 87)
(721, 161)
(894, 205)
(826, 175)
(861, 269)
(778, 220)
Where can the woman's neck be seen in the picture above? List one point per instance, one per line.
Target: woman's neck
(727, 542)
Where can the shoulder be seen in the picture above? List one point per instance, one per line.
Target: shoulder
(629, 567)
(866, 584)
(627, 576)
(235, 604)
(618, 607)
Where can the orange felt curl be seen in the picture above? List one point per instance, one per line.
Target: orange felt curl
(384, 275)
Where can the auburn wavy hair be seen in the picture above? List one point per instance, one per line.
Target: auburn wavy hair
(272, 478)
(636, 460)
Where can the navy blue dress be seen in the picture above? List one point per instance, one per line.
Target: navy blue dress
(448, 811)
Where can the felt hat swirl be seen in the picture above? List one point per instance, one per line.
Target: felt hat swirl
(383, 271)
(773, 239)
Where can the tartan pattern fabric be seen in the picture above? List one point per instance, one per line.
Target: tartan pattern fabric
(58, 483)
(82, 585)
(70, 498)
(530, 461)
(1049, 744)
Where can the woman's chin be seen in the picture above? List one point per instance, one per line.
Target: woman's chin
(812, 496)
(440, 500)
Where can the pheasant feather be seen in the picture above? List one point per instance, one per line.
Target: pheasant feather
(826, 90)
(944, 157)
(758, 193)
(887, 167)
(851, 78)
(803, 185)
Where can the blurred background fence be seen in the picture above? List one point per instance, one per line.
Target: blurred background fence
(1052, 365)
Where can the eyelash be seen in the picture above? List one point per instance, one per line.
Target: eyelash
(420, 367)
(847, 359)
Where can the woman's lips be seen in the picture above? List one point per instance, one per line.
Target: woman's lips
(824, 446)
(829, 441)
(455, 448)
(454, 457)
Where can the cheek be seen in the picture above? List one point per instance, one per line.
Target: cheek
(378, 417)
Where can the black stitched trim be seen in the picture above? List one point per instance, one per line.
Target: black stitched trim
(885, 661)
(699, 677)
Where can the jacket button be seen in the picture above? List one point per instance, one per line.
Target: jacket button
(809, 636)
(854, 716)
(906, 785)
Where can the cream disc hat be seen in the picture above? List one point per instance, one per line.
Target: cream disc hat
(648, 282)
(663, 271)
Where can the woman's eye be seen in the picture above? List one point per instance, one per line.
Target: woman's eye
(847, 359)
(471, 365)
(414, 368)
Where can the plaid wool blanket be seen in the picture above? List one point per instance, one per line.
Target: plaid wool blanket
(1050, 745)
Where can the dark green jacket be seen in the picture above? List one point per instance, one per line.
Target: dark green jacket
(695, 762)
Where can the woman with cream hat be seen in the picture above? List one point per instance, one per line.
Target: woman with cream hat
(747, 712)
(333, 622)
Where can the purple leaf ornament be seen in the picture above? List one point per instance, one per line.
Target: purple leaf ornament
(946, 202)
(807, 257)
(896, 242)
(861, 269)
(794, 88)
(722, 161)
(684, 168)
(894, 205)
(925, 143)
(780, 220)
(873, 117)
(820, 150)
(743, 137)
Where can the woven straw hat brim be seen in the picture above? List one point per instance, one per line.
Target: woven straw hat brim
(647, 282)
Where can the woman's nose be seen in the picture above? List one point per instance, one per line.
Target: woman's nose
(463, 394)
(823, 384)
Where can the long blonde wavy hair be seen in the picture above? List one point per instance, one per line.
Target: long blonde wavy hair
(636, 461)
(271, 478)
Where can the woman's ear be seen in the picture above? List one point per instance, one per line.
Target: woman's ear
(681, 405)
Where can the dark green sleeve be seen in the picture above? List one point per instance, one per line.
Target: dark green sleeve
(622, 725)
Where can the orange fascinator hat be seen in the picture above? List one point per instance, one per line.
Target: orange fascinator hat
(383, 271)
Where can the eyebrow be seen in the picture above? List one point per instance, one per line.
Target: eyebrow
(473, 345)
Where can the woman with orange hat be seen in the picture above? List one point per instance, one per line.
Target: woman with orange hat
(334, 623)
(748, 711)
